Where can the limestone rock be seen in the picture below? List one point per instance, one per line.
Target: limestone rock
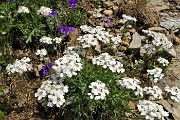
(136, 41)
(170, 23)
(159, 29)
(158, 5)
(172, 52)
(115, 9)
(174, 39)
(108, 12)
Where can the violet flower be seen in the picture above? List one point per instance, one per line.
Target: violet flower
(107, 20)
(66, 29)
(72, 3)
(46, 68)
(53, 13)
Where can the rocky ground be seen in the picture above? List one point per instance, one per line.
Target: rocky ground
(159, 15)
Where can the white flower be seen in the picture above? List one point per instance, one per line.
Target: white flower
(155, 74)
(42, 52)
(19, 66)
(23, 9)
(174, 92)
(129, 83)
(46, 40)
(40, 93)
(106, 61)
(45, 11)
(163, 61)
(53, 92)
(68, 65)
(151, 110)
(155, 91)
(159, 39)
(127, 18)
(98, 90)
(57, 40)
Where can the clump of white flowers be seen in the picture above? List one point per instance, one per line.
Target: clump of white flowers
(155, 91)
(68, 65)
(49, 40)
(41, 53)
(98, 90)
(155, 74)
(163, 61)
(127, 18)
(159, 39)
(54, 92)
(23, 9)
(97, 13)
(147, 49)
(45, 11)
(46, 40)
(108, 61)
(174, 92)
(132, 84)
(95, 35)
(151, 110)
(19, 66)
(57, 40)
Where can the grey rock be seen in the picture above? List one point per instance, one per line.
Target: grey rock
(170, 23)
(158, 5)
(159, 29)
(172, 52)
(136, 41)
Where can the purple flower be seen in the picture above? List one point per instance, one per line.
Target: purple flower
(53, 13)
(66, 29)
(46, 68)
(107, 20)
(72, 3)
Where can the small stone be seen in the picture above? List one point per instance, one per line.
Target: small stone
(172, 52)
(136, 41)
(159, 29)
(108, 4)
(132, 30)
(123, 48)
(174, 39)
(115, 9)
(125, 43)
(108, 12)
(90, 12)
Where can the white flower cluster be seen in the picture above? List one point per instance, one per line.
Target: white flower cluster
(98, 90)
(55, 93)
(174, 91)
(49, 40)
(107, 61)
(160, 40)
(116, 40)
(23, 9)
(45, 11)
(147, 49)
(155, 91)
(163, 61)
(19, 66)
(127, 18)
(41, 53)
(132, 84)
(96, 35)
(97, 13)
(151, 110)
(155, 74)
(57, 40)
(68, 65)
